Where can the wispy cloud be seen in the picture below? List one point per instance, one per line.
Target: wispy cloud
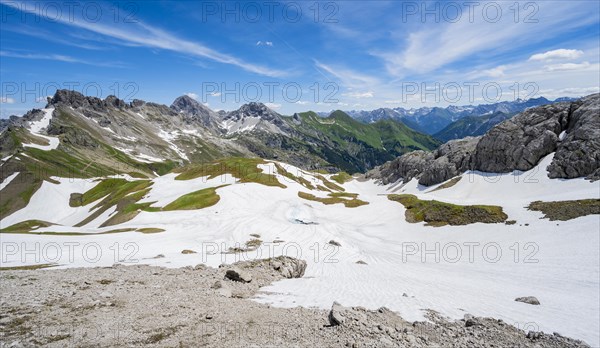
(430, 48)
(359, 95)
(152, 37)
(348, 77)
(568, 66)
(264, 43)
(60, 58)
(557, 54)
(44, 35)
(273, 105)
(6, 100)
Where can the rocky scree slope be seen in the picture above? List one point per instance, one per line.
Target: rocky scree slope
(109, 307)
(571, 129)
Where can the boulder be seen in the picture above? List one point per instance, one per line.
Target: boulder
(289, 267)
(528, 299)
(238, 275)
(336, 315)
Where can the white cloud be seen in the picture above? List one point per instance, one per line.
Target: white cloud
(142, 34)
(273, 105)
(567, 66)
(301, 102)
(347, 77)
(431, 47)
(58, 58)
(264, 43)
(6, 100)
(557, 54)
(359, 95)
(569, 92)
(215, 94)
(495, 72)
(192, 95)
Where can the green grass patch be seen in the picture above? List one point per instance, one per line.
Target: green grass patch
(566, 210)
(341, 177)
(150, 230)
(447, 184)
(344, 194)
(244, 169)
(334, 199)
(436, 213)
(59, 233)
(320, 171)
(26, 226)
(302, 181)
(120, 192)
(29, 267)
(195, 200)
(329, 184)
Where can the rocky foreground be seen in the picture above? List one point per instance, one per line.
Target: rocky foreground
(202, 306)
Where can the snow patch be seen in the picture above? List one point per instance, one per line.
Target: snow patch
(36, 127)
(7, 180)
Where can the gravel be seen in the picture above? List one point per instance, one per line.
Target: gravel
(198, 306)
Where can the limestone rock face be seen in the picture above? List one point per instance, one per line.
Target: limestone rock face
(519, 143)
(571, 129)
(578, 154)
(449, 160)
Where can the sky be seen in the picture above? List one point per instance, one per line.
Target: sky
(299, 55)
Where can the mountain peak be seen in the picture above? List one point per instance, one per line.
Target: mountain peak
(75, 100)
(189, 105)
(194, 111)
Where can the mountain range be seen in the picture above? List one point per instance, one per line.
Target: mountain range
(453, 122)
(172, 180)
(81, 136)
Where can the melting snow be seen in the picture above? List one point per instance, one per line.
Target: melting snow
(562, 135)
(37, 126)
(556, 262)
(140, 157)
(7, 180)
(169, 137)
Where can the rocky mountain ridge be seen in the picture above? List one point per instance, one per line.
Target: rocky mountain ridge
(571, 129)
(189, 132)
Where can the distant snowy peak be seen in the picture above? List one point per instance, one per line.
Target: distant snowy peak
(431, 120)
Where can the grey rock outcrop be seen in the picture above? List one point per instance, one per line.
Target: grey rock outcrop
(404, 167)
(449, 160)
(529, 300)
(521, 142)
(571, 129)
(195, 111)
(289, 267)
(578, 154)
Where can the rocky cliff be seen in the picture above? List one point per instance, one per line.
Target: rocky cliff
(571, 129)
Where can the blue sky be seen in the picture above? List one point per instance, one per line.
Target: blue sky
(298, 56)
